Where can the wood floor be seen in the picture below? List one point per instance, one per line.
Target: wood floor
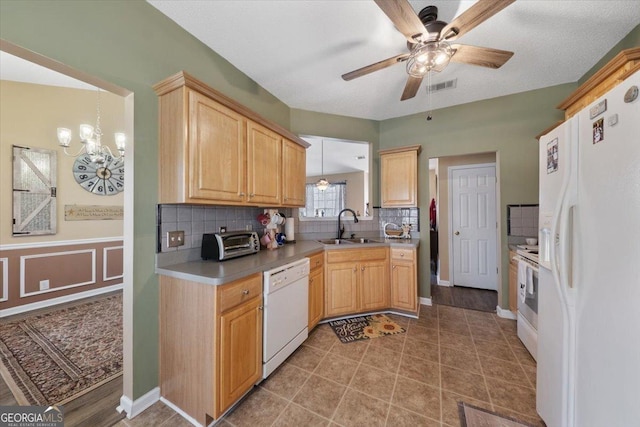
(97, 408)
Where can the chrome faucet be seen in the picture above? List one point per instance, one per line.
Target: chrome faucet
(341, 228)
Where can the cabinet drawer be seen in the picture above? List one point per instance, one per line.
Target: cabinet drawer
(238, 292)
(356, 255)
(403, 254)
(316, 260)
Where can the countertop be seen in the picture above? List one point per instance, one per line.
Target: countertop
(218, 273)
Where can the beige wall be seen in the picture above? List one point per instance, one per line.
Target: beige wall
(355, 188)
(443, 203)
(30, 115)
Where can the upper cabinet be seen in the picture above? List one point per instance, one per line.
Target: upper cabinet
(399, 177)
(294, 160)
(215, 151)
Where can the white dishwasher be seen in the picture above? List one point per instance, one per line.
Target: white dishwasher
(286, 312)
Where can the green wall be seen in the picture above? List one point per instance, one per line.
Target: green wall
(506, 125)
(131, 44)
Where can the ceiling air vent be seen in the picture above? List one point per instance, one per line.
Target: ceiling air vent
(449, 84)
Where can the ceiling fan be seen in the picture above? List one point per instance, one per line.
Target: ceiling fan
(428, 41)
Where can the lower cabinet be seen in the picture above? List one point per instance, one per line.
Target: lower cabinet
(404, 280)
(356, 280)
(316, 289)
(240, 351)
(210, 343)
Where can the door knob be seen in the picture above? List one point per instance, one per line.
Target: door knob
(457, 233)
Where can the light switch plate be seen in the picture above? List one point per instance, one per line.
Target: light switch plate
(175, 238)
(44, 284)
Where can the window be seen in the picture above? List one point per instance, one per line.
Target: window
(325, 203)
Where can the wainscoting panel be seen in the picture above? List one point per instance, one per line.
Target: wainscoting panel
(38, 272)
(4, 277)
(112, 263)
(57, 270)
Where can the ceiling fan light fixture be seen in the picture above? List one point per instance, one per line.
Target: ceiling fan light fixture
(429, 56)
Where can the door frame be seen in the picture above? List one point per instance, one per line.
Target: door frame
(450, 170)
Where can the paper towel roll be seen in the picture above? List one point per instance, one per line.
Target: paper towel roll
(289, 225)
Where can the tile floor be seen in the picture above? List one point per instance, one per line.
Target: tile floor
(413, 379)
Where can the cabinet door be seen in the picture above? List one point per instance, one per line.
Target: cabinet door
(316, 297)
(293, 173)
(240, 355)
(341, 282)
(216, 151)
(374, 285)
(264, 148)
(404, 288)
(399, 179)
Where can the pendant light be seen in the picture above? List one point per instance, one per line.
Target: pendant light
(322, 183)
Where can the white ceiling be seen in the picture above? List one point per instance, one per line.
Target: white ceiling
(298, 49)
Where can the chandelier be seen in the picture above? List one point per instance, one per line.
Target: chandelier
(429, 56)
(322, 184)
(90, 137)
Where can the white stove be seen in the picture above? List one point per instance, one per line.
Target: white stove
(529, 253)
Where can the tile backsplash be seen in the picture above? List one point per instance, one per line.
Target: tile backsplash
(195, 220)
(522, 220)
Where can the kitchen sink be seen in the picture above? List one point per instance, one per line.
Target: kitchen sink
(362, 240)
(335, 242)
(347, 241)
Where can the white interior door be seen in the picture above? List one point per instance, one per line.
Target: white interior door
(473, 226)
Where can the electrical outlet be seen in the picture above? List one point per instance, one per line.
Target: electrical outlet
(44, 285)
(223, 229)
(175, 238)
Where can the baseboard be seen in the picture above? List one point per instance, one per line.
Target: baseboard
(505, 314)
(425, 301)
(444, 283)
(134, 408)
(59, 300)
(181, 412)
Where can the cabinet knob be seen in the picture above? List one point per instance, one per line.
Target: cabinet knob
(355, 269)
(457, 233)
(261, 308)
(252, 194)
(401, 254)
(361, 268)
(394, 267)
(310, 281)
(245, 292)
(317, 263)
(241, 194)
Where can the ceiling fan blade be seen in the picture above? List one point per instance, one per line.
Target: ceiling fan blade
(411, 88)
(403, 17)
(375, 67)
(482, 56)
(472, 17)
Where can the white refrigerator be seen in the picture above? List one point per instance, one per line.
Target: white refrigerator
(589, 280)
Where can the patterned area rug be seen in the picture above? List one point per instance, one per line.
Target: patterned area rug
(55, 357)
(364, 328)
(472, 416)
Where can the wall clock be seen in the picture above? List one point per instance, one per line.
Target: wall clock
(104, 179)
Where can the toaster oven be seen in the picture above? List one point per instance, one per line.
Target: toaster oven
(232, 244)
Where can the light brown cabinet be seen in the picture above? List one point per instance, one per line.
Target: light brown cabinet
(210, 343)
(215, 151)
(513, 282)
(264, 165)
(316, 289)
(399, 177)
(356, 280)
(294, 160)
(404, 279)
